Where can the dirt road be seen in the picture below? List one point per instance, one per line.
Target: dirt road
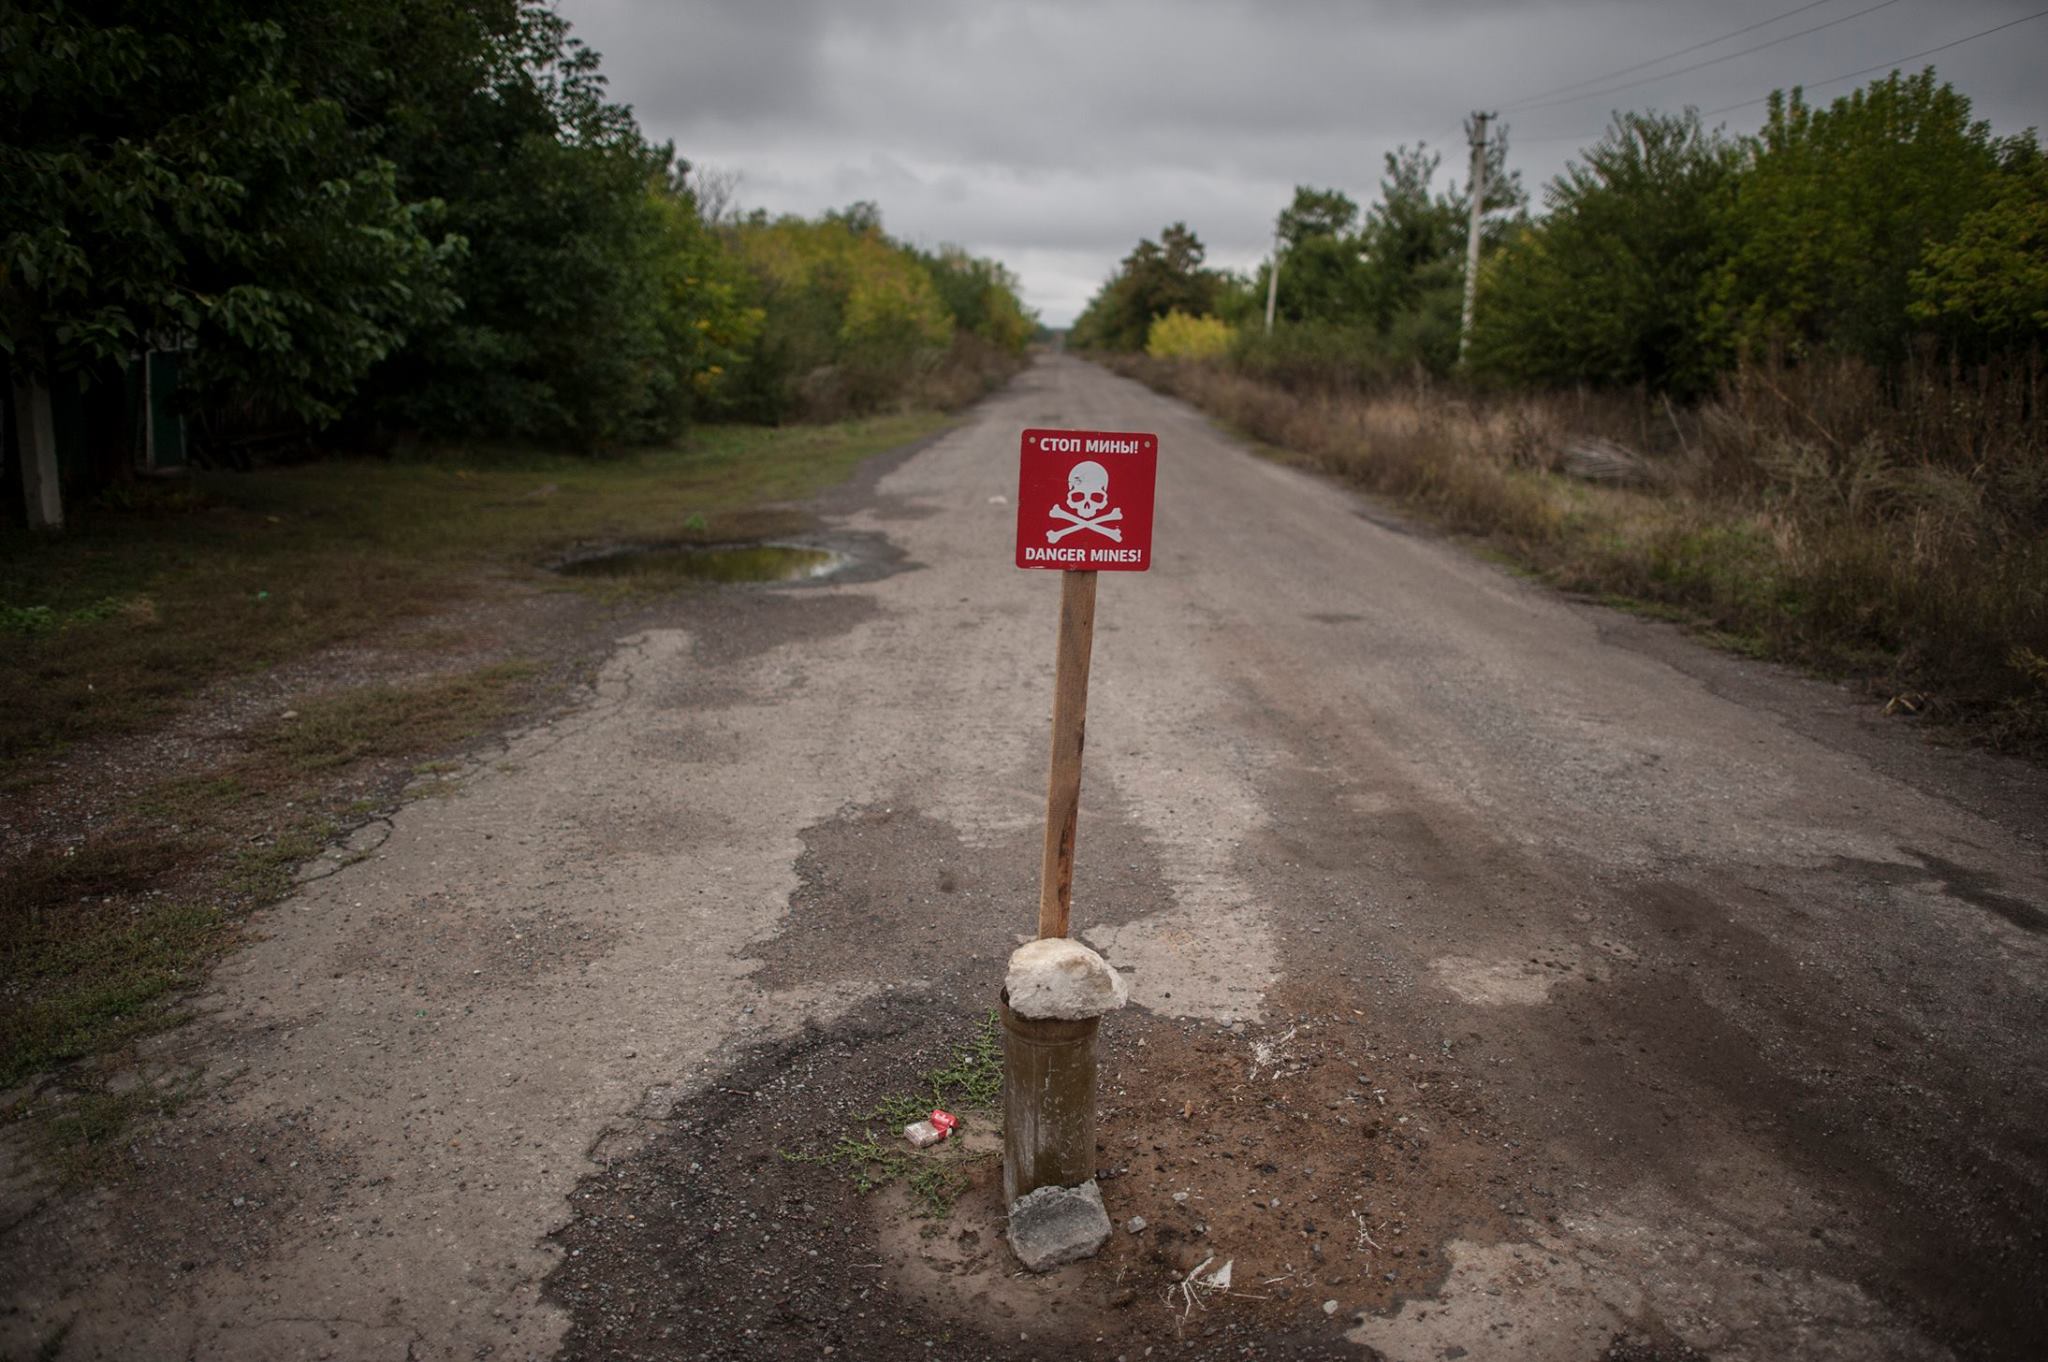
(1515, 979)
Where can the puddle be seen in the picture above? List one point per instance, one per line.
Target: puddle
(710, 563)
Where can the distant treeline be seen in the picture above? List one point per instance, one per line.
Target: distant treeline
(426, 217)
(1788, 387)
(1665, 255)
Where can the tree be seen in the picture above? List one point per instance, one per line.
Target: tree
(1989, 283)
(1154, 279)
(981, 295)
(848, 314)
(1612, 286)
(1316, 213)
(1322, 274)
(1839, 207)
(1413, 239)
(173, 182)
(588, 268)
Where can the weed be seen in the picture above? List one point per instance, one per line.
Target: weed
(935, 1187)
(864, 1160)
(90, 976)
(974, 1079)
(934, 1179)
(81, 1138)
(194, 799)
(381, 721)
(971, 1081)
(41, 619)
(263, 872)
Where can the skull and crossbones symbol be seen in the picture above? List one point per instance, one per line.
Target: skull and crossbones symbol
(1087, 495)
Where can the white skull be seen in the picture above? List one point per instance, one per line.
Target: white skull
(1088, 489)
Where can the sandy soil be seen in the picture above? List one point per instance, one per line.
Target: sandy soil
(1512, 979)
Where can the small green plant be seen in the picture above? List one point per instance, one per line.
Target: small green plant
(971, 1082)
(935, 1187)
(27, 619)
(30, 620)
(975, 1077)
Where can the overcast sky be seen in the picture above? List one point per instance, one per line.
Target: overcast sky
(1052, 134)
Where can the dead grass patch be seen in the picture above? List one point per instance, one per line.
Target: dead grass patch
(387, 721)
(1897, 535)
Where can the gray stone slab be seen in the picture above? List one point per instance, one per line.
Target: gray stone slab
(1055, 1225)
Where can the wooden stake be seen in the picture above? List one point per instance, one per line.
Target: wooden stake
(1069, 736)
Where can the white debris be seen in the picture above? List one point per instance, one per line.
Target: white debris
(1056, 978)
(1272, 1054)
(923, 1134)
(1220, 1278)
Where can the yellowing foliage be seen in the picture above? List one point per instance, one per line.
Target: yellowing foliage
(882, 298)
(1179, 336)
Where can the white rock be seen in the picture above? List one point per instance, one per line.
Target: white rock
(1056, 978)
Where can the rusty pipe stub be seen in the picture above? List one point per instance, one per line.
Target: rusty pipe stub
(1048, 1101)
(1054, 995)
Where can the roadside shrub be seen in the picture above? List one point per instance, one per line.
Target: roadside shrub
(1176, 335)
(1307, 357)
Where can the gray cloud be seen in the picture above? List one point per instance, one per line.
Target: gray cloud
(1053, 133)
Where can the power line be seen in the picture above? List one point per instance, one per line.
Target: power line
(1887, 65)
(1711, 61)
(1893, 64)
(1680, 52)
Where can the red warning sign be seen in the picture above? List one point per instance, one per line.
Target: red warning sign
(1084, 500)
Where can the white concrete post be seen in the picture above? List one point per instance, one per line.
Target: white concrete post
(41, 487)
(1478, 187)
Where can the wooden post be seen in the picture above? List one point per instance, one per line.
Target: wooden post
(1069, 736)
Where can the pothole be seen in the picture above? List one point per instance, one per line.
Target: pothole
(714, 563)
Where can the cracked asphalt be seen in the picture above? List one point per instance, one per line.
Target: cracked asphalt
(1719, 1002)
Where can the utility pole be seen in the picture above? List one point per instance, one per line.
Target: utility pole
(1273, 283)
(1476, 130)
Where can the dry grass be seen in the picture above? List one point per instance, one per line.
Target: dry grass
(1890, 530)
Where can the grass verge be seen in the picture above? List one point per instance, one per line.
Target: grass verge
(100, 937)
(1832, 527)
(157, 592)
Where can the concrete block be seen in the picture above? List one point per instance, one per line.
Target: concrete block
(1055, 1225)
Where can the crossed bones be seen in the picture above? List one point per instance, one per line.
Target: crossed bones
(1082, 523)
